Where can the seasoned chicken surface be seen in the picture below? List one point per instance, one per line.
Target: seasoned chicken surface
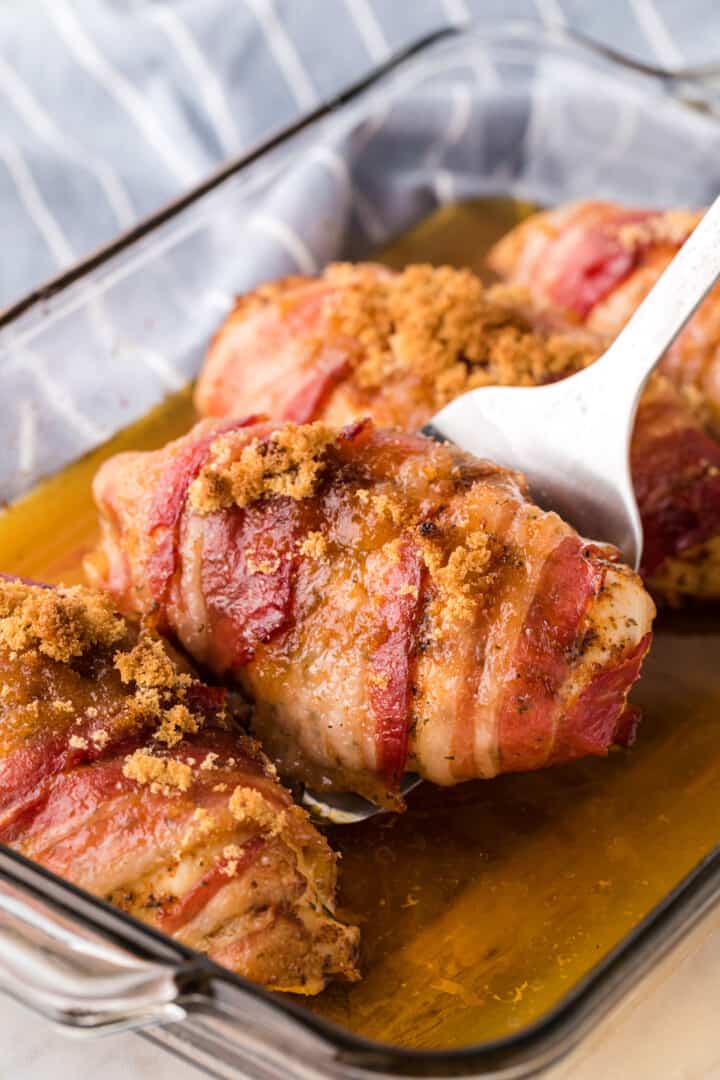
(360, 340)
(388, 602)
(122, 772)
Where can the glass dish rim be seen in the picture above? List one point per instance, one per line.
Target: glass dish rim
(611, 977)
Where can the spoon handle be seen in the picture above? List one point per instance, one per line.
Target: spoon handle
(667, 307)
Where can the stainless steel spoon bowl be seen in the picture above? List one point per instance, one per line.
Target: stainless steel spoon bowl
(344, 808)
(571, 439)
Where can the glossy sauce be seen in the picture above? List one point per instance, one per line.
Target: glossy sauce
(484, 904)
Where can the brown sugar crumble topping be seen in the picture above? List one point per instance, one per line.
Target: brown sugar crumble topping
(442, 326)
(61, 623)
(289, 462)
(158, 685)
(383, 504)
(232, 853)
(65, 624)
(462, 577)
(671, 227)
(314, 546)
(248, 805)
(148, 665)
(268, 565)
(164, 775)
(176, 722)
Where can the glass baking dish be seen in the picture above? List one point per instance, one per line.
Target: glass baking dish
(504, 110)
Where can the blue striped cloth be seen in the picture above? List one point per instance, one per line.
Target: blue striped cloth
(111, 107)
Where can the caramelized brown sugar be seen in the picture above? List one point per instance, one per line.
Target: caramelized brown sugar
(483, 905)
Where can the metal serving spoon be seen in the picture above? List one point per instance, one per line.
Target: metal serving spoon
(571, 439)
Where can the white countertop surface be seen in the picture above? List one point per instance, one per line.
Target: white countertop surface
(665, 1029)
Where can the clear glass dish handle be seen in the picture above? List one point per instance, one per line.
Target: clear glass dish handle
(78, 977)
(91, 970)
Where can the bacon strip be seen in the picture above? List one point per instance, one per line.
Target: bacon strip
(26, 775)
(225, 870)
(587, 270)
(550, 639)
(247, 573)
(597, 719)
(307, 402)
(391, 662)
(677, 480)
(267, 345)
(169, 501)
(578, 256)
